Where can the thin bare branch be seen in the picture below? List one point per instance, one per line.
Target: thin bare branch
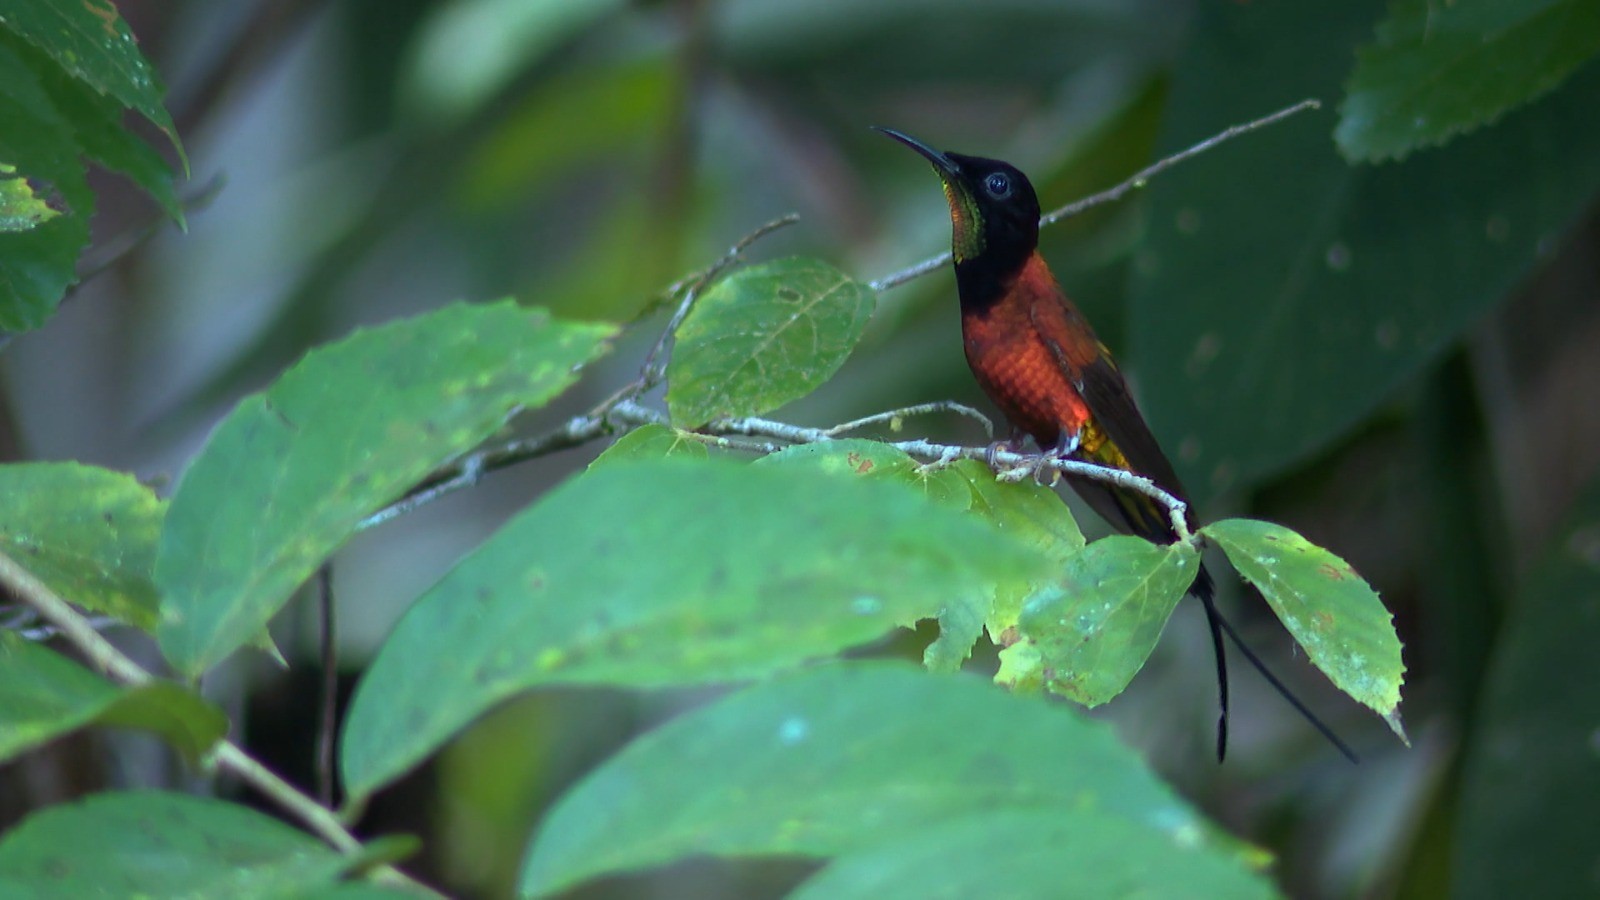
(1136, 181)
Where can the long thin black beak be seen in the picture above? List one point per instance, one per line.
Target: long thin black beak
(940, 161)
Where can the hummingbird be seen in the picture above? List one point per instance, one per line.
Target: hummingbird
(1039, 360)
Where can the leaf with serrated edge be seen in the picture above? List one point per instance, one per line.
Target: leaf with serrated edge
(1330, 610)
(762, 337)
(1438, 70)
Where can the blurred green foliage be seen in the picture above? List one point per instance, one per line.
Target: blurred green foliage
(1396, 359)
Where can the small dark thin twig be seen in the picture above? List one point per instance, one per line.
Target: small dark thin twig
(327, 720)
(650, 372)
(1136, 181)
(1285, 693)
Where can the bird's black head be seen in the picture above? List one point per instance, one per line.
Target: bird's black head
(994, 213)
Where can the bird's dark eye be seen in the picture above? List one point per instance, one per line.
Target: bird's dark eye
(998, 185)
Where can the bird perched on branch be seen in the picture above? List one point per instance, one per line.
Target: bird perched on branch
(1037, 358)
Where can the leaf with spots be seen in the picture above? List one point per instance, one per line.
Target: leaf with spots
(1327, 607)
(674, 572)
(807, 766)
(44, 695)
(290, 472)
(1093, 633)
(650, 442)
(88, 533)
(762, 337)
(21, 206)
(89, 40)
(158, 844)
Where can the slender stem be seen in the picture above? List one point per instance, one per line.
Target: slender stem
(327, 704)
(227, 755)
(1134, 182)
(921, 409)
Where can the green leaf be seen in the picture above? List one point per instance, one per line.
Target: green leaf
(288, 475)
(37, 265)
(1026, 853)
(1095, 632)
(1030, 513)
(155, 844)
(43, 695)
(88, 533)
(91, 41)
(21, 207)
(837, 759)
(1526, 812)
(1442, 69)
(764, 336)
(650, 442)
(1282, 294)
(1330, 610)
(669, 573)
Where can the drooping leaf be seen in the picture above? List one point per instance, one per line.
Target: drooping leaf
(763, 336)
(1327, 607)
(667, 573)
(1282, 294)
(44, 695)
(21, 207)
(88, 533)
(650, 442)
(157, 844)
(286, 477)
(1024, 854)
(1094, 633)
(90, 40)
(1442, 69)
(1526, 812)
(839, 759)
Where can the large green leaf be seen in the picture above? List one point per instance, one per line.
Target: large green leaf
(1088, 638)
(44, 695)
(1330, 610)
(838, 759)
(764, 336)
(1023, 854)
(155, 844)
(90, 40)
(1440, 69)
(1531, 779)
(674, 572)
(287, 476)
(88, 533)
(1283, 295)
